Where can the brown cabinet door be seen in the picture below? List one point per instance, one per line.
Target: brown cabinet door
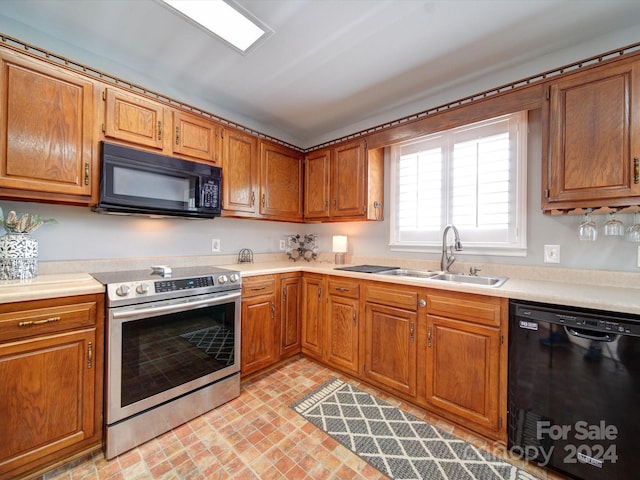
(259, 333)
(592, 128)
(317, 179)
(463, 365)
(342, 333)
(46, 120)
(133, 119)
(195, 137)
(348, 179)
(280, 183)
(390, 347)
(312, 316)
(48, 397)
(239, 173)
(291, 296)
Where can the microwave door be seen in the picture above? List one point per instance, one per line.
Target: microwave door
(163, 190)
(134, 186)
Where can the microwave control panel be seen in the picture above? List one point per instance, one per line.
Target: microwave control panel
(209, 194)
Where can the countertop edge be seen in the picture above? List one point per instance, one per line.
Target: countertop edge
(49, 286)
(608, 298)
(615, 299)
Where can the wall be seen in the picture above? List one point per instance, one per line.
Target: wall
(608, 253)
(82, 234)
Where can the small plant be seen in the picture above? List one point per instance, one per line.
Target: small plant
(25, 223)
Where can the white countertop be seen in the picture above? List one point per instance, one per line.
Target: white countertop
(616, 299)
(611, 298)
(48, 286)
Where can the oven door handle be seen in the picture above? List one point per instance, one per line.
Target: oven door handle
(134, 314)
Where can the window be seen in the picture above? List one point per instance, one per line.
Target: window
(473, 177)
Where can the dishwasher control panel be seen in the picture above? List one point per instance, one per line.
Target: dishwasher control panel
(595, 320)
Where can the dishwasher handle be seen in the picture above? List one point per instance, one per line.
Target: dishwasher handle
(590, 334)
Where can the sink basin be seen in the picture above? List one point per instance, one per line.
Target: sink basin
(470, 279)
(403, 272)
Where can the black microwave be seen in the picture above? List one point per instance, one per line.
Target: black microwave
(135, 181)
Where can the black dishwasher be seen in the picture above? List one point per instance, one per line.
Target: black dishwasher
(574, 390)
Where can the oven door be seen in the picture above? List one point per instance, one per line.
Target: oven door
(158, 351)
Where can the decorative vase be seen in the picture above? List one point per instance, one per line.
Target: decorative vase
(18, 256)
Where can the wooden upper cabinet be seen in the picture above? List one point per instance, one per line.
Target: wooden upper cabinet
(133, 119)
(344, 183)
(142, 122)
(195, 137)
(239, 173)
(317, 178)
(348, 180)
(280, 182)
(592, 136)
(46, 144)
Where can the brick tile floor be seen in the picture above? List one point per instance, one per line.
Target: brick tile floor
(255, 436)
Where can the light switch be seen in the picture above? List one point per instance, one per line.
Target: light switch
(552, 254)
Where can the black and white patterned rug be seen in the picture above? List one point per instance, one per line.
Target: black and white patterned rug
(398, 444)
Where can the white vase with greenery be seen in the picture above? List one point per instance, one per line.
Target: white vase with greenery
(18, 249)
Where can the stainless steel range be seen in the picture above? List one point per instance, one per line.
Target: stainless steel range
(172, 349)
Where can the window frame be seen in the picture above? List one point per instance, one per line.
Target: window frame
(516, 248)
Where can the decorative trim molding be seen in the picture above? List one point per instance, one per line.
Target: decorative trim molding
(43, 54)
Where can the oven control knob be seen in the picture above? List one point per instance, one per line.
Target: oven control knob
(222, 279)
(122, 290)
(234, 277)
(142, 288)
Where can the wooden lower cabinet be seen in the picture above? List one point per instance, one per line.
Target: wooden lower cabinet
(271, 312)
(465, 377)
(391, 337)
(442, 350)
(51, 362)
(342, 325)
(312, 319)
(290, 306)
(260, 326)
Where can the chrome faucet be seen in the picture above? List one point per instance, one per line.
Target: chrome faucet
(447, 257)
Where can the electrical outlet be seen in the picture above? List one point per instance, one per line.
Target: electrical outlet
(552, 254)
(282, 245)
(215, 244)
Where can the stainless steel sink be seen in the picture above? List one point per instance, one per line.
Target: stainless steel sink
(403, 272)
(470, 279)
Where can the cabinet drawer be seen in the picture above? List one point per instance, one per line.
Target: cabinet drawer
(344, 287)
(465, 306)
(260, 285)
(392, 295)
(38, 318)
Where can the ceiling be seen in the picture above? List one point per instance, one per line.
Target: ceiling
(330, 65)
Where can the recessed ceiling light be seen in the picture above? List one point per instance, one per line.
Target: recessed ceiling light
(224, 20)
